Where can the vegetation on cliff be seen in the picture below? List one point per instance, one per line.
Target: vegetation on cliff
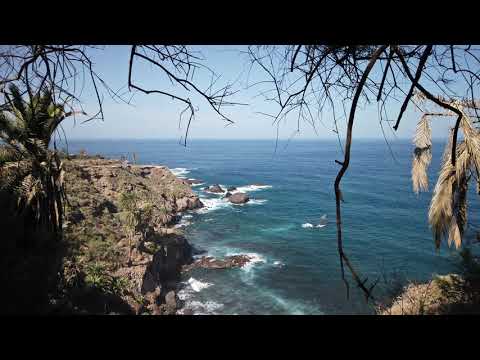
(103, 258)
(450, 294)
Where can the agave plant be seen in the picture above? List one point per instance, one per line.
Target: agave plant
(448, 208)
(27, 167)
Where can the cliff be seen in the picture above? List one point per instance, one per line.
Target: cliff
(97, 274)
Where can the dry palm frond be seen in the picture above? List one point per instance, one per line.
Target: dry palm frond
(454, 233)
(419, 99)
(448, 208)
(471, 139)
(460, 205)
(423, 134)
(441, 212)
(422, 155)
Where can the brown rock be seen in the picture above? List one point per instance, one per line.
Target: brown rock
(238, 198)
(188, 203)
(215, 189)
(208, 262)
(157, 309)
(153, 296)
(170, 299)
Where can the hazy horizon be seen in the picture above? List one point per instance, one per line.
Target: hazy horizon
(149, 115)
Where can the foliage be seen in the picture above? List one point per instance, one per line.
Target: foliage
(448, 207)
(137, 215)
(464, 288)
(97, 276)
(28, 168)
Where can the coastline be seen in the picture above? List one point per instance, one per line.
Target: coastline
(154, 270)
(158, 283)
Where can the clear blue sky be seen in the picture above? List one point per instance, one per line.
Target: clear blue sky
(156, 116)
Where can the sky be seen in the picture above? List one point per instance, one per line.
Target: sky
(156, 116)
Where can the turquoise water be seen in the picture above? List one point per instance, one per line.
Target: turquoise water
(297, 269)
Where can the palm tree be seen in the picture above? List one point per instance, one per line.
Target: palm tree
(448, 207)
(27, 167)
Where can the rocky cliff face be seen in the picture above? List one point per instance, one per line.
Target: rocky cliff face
(96, 233)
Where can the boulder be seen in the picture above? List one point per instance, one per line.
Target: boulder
(171, 299)
(238, 198)
(153, 296)
(208, 262)
(173, 252)
(228, 194)
(232, 188)
(188, 203)
(215, 189)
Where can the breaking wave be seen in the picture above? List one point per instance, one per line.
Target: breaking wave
(249, 188)
(180, 172)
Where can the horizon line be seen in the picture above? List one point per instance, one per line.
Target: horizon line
(236, 139)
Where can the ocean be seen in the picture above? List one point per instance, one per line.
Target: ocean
(296, 266)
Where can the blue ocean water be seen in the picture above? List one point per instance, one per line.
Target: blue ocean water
(297, 267)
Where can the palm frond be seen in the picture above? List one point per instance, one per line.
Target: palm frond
(440, 212)
(422, 155)
(448, 208)
(460, 205)
(18, 104)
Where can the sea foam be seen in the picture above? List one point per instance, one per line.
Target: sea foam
(307, 225)
(180, 172)
(197, 285)
(254, 259)
(257, 201)
(203, 308)
(182, 223)
(249, 188)
(212, 204)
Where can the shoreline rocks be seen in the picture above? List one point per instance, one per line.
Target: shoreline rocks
(209, 262)
(238, 198)
(188, 203)
(214, 189)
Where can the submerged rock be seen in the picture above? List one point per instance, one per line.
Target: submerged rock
(231, 188)
(171, 300)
